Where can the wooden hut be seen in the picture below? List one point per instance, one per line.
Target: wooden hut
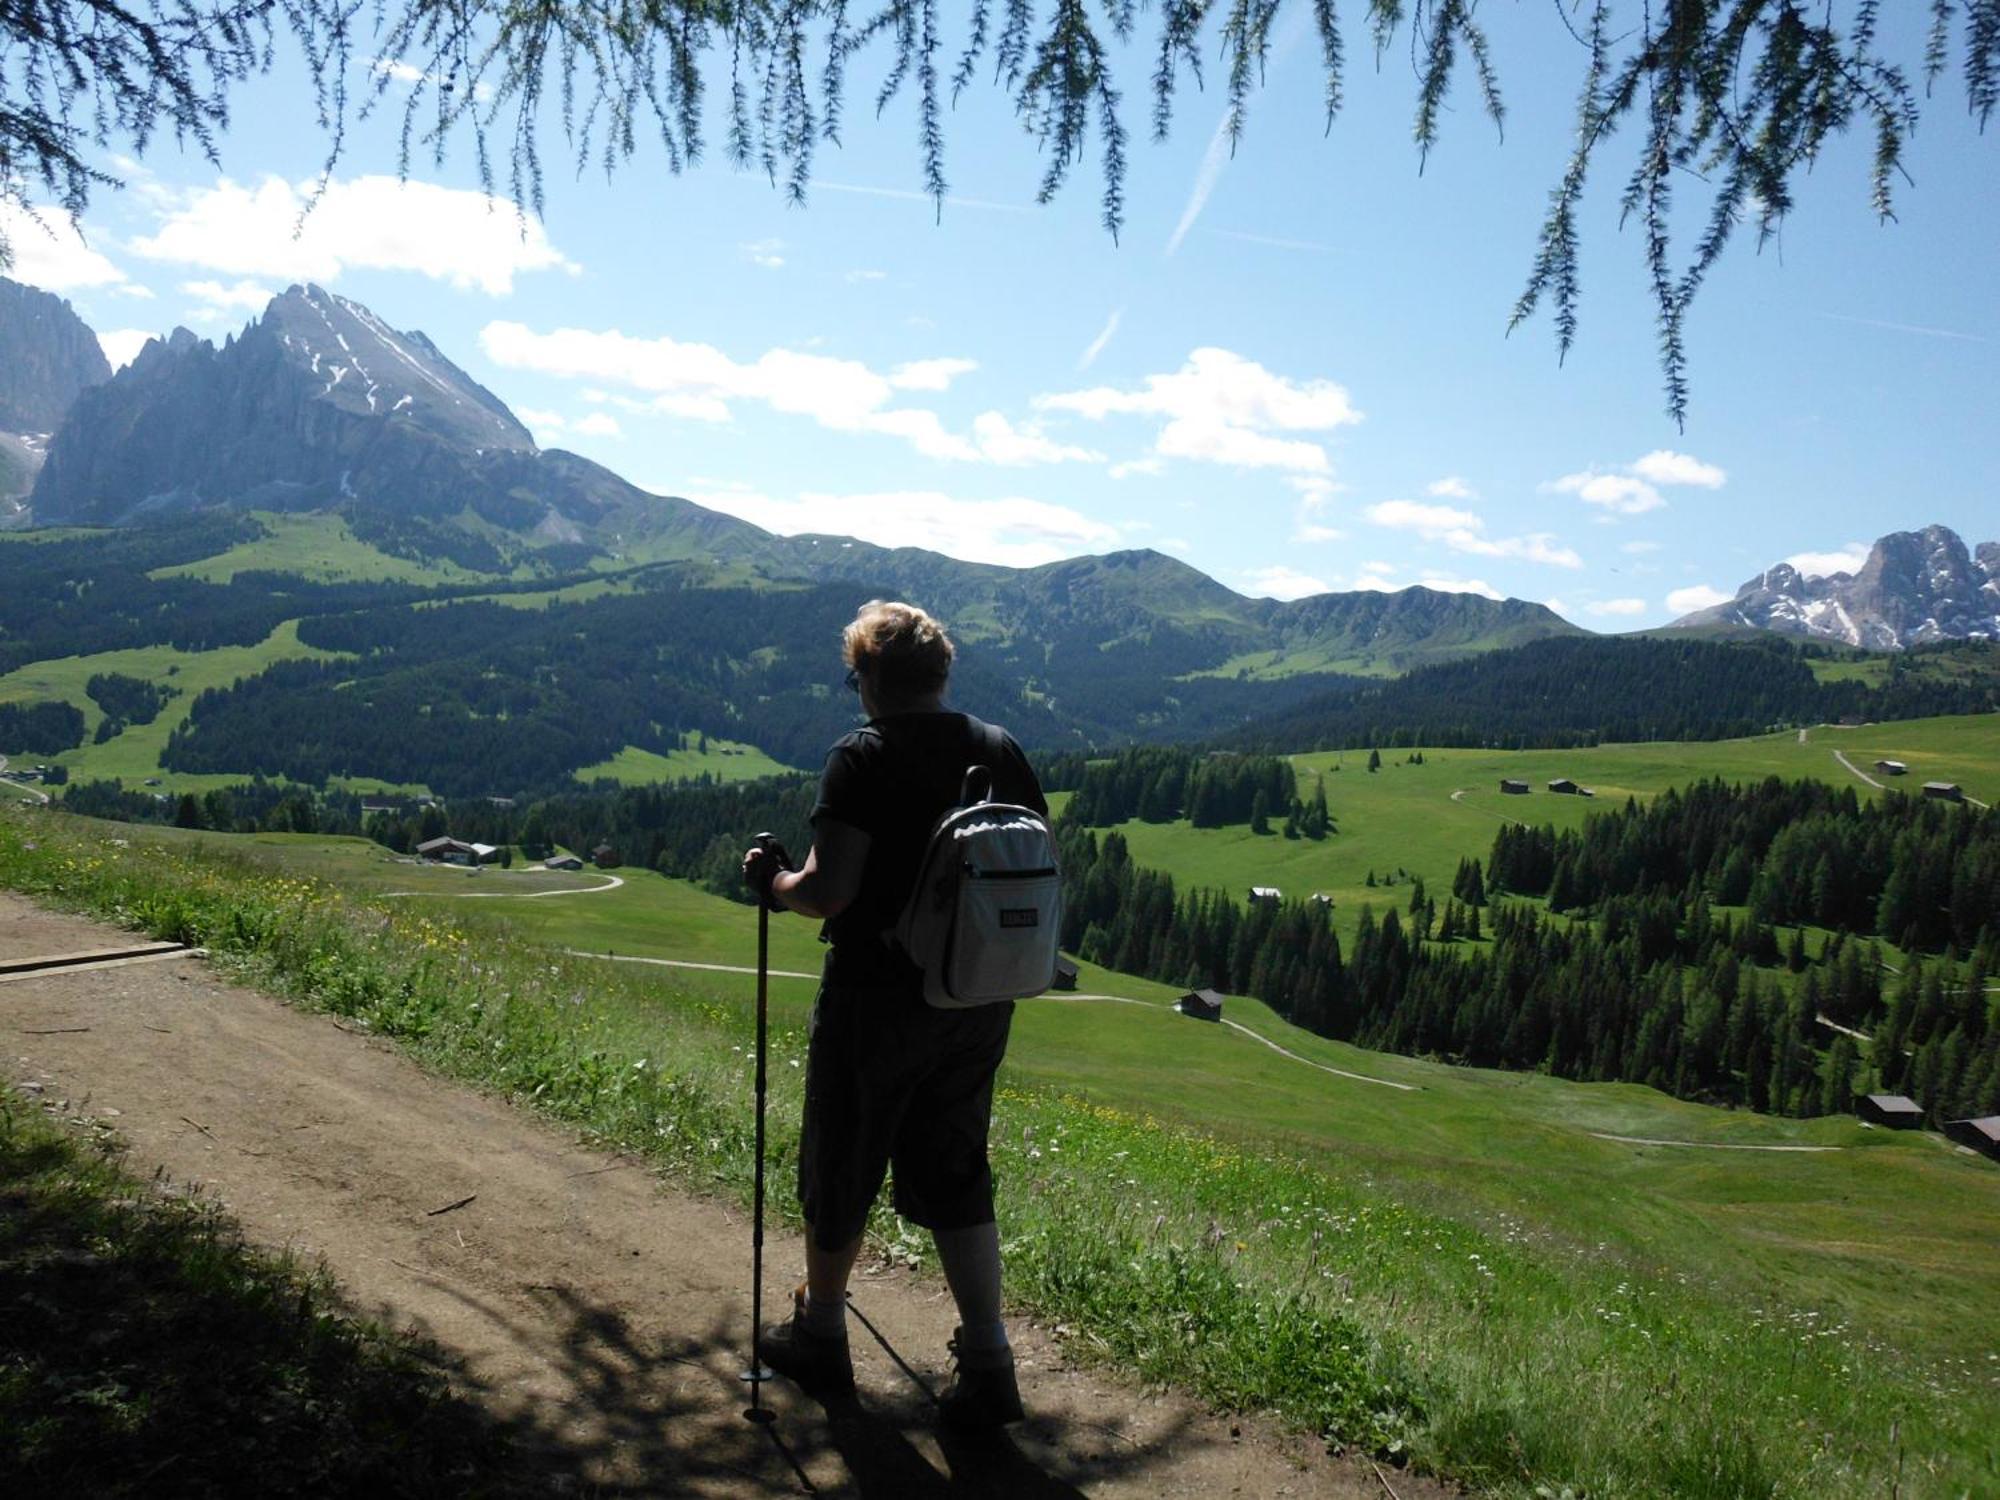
(604, 857)
(1065, 975)
(1982, 1135)
(1944, 791)
(1564, 786)
(1266, 894)
(1892, 1110)
(1203, 1005)
(1514, 788)
(1892, 768)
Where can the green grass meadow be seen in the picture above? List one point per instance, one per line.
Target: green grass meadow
(319, 548)
(722, 760)
(1423, 819)
(1492, 1240)
(1465, 1271)
(134, 755)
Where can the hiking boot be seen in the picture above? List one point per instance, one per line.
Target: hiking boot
(980, 1396)
(816, 1363)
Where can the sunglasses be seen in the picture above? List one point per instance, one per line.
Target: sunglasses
(853, 680)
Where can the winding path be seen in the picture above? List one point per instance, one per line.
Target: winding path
(21, 786)
(1837, 755)
(611, 883)
(683, 963)
(1640, 1140)
(1459, 797)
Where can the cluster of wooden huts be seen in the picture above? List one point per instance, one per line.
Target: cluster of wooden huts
(1899, 1113)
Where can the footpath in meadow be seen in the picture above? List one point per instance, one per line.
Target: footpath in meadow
(595, 1312)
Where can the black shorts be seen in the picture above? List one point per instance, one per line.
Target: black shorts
(891, 1079)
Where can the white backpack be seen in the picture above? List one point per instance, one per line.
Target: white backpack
(985, 916)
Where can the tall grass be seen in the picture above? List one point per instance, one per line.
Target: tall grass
(1493, 1352)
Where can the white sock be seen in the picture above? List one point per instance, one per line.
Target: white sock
(828, 1319)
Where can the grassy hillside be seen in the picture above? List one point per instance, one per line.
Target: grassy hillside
(1634, 1319)
(134, 756)
(724, 760)
(319, 547)
(1423, 819)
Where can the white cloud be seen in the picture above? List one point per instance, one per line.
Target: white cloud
(1451, 487)
(1429, 521)
(1463, 531)
(1015, 532)
(1633, 489)
(700, 381)
(1604, 607)
(1281, 582)
(122, 345)
(1557, 605)
(1694, 597)
(1315, 495)
(365, 223)
(1664, 466)
(1178, 544)
(597, 424)
(1540, 547)
(1620, 494)
(1222, 408)
(1001, 442)
(214, 297)
(541, 421)
(50, 252)
(1206, 176)
(930, 374)
(1846, 559)
(1640, 549)
(1148, 466)
(1104, 337)
(411, 76)
(766, 253)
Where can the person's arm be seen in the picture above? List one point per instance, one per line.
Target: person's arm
(830, 879)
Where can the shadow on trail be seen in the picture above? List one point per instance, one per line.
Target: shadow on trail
(662, 1412)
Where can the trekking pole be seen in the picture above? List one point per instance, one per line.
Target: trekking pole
(757, 1374)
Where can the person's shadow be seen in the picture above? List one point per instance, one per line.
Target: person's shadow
(885, 1464)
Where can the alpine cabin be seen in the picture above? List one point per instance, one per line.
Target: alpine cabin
(1982, 1135)
(1203, 1005)
(1892, 1110)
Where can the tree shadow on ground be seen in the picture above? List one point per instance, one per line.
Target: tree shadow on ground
(663, 1412)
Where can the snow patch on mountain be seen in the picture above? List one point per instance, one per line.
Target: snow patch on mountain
(1914, 587)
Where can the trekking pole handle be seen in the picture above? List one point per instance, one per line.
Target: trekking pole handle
(778, 857)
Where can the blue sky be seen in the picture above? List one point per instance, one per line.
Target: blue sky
(1292, 371)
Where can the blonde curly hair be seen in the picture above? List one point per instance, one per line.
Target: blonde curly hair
(898, 647)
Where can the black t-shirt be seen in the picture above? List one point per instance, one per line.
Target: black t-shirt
(893, 779)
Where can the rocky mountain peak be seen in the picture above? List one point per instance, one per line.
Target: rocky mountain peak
(363, 366)
(47, 355)
(1915, 586)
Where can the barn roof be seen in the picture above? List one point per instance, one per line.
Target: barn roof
(1895, 1104)
(1986, 1125)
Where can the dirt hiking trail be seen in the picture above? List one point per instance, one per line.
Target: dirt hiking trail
(597, 1314)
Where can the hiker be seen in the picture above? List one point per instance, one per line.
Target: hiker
(890, 1078)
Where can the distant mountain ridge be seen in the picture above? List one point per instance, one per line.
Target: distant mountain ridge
(1916, 587)
(319, 405)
